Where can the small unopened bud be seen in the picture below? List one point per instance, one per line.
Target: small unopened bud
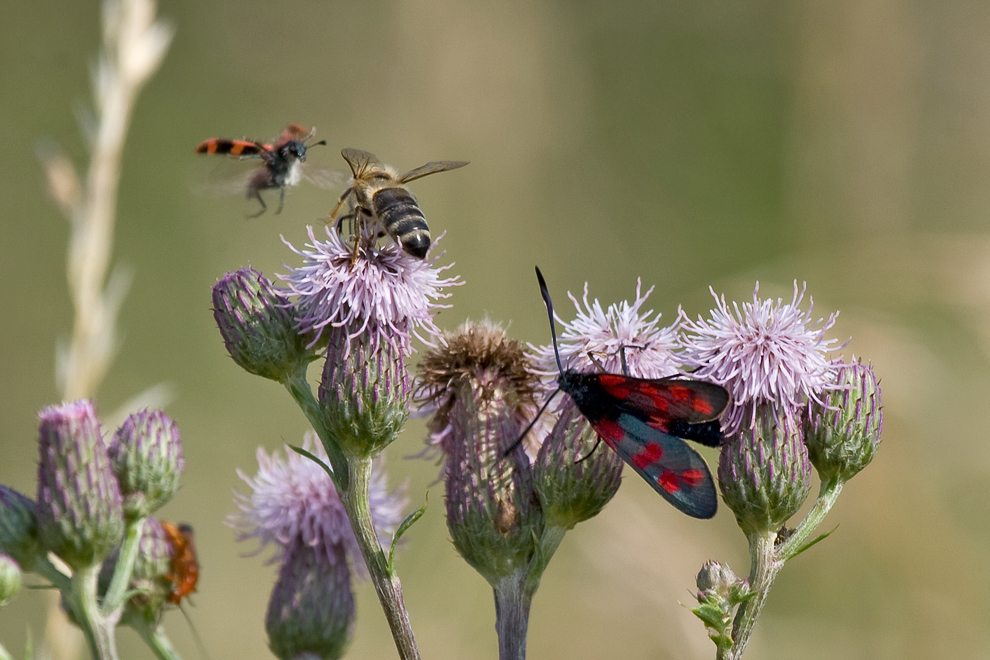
(18, 528)
(764, 472)
(843, 435)
(10, 579)
(258, 326)
(146, 456)
(311, 611)
(79, 508)
(573, 482)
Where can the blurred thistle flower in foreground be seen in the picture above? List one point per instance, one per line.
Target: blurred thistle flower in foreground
(763, 353)
(293, 500)
(293, 505)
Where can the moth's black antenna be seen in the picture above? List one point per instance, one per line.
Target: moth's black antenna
(549, 304)
(553, 334)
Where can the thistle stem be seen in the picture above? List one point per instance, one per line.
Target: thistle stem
(156, 639)
(513, 599)
(114, 598)
(763, 571)
(98, 629)
(827, 495)
(300, 390)
(387, 585)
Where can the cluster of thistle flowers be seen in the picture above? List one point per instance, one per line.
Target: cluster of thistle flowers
(90, 532)
(792, 406)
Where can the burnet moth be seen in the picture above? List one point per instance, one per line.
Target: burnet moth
(643, 421)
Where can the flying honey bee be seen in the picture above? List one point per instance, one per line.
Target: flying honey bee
(376, 193)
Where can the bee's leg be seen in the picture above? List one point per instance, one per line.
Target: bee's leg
(264, 207)
(336, 209)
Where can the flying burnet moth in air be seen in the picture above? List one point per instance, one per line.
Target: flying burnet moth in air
(643, 421)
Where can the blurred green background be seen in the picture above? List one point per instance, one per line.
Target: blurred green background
(846, 144)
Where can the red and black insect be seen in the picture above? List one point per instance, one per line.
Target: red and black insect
(185, 566)
(643, 421)
(281, 161)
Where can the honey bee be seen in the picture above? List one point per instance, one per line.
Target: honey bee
(281, 164)
(185, 566)
(376, 193)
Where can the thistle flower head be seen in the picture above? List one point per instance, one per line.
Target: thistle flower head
(843, 434)
(146, 457)
(763, 352)
(292, 500)
(258, 325)
(311, 612)
(79, 509)
(385, 294)
(10, 579)
(607, 333)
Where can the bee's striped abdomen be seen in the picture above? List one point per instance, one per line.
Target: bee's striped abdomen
(403, 220)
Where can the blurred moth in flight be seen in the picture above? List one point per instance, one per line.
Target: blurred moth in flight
(281, 163)
(377, 195)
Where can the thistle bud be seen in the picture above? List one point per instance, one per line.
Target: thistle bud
(258, 326)
(18, 528)
(311, 611)
(146, 457)
(149, 576)
(573, 482)
(764, 472)
(843, 435)
(364, 392)
(10, 579)
(79, 509)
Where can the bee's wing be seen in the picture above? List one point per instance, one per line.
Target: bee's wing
(359, 160)
(324, 178)
(431, 168)
(296, 132)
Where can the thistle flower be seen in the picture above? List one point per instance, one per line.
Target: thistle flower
(481, 391)
(146, 457)
(258, 326)
(764, 473)
(650, 351)
(843, 435)
(762, 353)
(18, 528)
(80, 512)
(311, 611)
(385, 295)
(293, 500)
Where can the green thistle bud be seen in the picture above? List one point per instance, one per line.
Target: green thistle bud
(150, 575)
(146, 457)
(843, 435)
(764, 472)
(573, 483)
(311, 611)
(10, 579)
(258, 326)
(18, 528)
(364, 392)
(719, 591)
(80, 512)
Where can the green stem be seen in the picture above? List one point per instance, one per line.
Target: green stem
(387, 585)
(114, 598)
(549, 542)
(156, 639)
(300, 390)
(826, 499)
(513, 599)
(98, 629)
(4, 655)
(763, 570)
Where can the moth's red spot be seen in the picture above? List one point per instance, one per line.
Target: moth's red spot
(704, 407)
(692, 477)
(609, 431)
(668, 481)
(609, 380)
(679, 393)
(650, 454)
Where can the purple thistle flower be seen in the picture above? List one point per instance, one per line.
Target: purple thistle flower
(385, 294)
(650, 351)
(762, 353)
(293, 500)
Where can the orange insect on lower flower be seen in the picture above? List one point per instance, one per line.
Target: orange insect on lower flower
(185, 565)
